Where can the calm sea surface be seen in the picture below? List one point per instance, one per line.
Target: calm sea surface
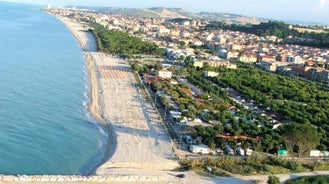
(44, 125)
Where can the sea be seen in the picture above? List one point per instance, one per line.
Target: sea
(45, 127)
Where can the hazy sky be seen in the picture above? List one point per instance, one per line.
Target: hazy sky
(298, 10)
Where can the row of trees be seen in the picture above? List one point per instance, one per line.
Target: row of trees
(120, 43)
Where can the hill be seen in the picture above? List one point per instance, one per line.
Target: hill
(173, 13)
(231, 18)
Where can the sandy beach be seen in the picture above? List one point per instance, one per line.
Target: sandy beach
(138, 143)
(137, 137)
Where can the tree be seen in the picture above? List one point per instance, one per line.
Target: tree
(273, 180)
(181, 44)
(304, 136)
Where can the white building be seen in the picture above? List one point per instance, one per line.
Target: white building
(164, 73)
(318, 153)
(47, 7)
(210, 74)
(162, 31)
(203, 149)
(294, 59)
(241, 151)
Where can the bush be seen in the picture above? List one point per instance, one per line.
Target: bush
(296, 166)
(309, 180)
(273, 180)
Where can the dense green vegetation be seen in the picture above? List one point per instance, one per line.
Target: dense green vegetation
(278, 29)
(251, 165)
(186, 104)
(296, 100)
(120, 43)
(310, 180)
(291, 100)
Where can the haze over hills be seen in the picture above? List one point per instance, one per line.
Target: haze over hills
(171, 13)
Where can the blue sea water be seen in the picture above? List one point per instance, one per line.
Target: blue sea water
(44, 125)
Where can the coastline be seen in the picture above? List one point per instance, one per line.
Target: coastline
(138, 149)
(94, 106)
(136, 135)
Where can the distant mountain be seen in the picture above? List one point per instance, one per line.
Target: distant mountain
(172, 13)
(231, 18)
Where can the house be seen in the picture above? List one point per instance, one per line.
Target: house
(237, 46)
(294, 59)
(315, 153)
(164, 73)
(198, 64)
(248, 58)
(229, 150)
(318, 153)
(184, 34)
(210, 74)
(203, 149)
(283, 152)
(232, 55)
(241, 151)
(214, 64)
(163, 31)
(268, 65)
(268, 58)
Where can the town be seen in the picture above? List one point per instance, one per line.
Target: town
(218, 91)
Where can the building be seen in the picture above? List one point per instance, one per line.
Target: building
(47, 7)
(210, 74)
(198, 64)
(318, 153)
(241, 151)
(214, 64)
(271, 65)
(294, 59)
(184, 34)
(232, 55)
(164, 73)
(267, 58)
(203, 149)
(268, 66)
(248, 58)
(163, 31)
(282, 152)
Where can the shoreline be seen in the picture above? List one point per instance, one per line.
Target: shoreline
(136, 136)
(95, 111)
(94, 106)
(138, 148)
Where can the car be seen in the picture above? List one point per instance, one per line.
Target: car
(180, 175)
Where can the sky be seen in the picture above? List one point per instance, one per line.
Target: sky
(295, 10)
